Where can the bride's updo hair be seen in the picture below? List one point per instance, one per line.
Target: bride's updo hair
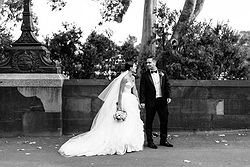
(128, 65)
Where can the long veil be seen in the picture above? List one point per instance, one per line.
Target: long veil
(110, 96)
(106, 136)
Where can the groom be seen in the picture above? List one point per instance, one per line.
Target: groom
(154, 96)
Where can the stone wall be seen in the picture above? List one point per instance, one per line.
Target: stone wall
(196, 105)
(31, 104)
(43, 106)
(80, 104)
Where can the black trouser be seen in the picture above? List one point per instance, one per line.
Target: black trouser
(162, 111)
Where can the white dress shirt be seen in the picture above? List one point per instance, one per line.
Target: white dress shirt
(157, 84)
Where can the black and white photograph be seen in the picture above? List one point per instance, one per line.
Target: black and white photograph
(124, 83)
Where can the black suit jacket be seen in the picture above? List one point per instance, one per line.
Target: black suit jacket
(147, 89)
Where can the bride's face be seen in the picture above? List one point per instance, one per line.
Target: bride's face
(133, 69)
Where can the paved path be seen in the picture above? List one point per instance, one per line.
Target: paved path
(201, 149)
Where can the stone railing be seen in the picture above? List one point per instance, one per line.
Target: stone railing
(51, 105)
(31, 104)
(196, 105)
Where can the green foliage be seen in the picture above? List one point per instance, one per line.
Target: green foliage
(128, 49)
(66, 48)
(11, 14)
(204, 52)
(57, 4)
(209, 53)
(105, 55)
(165, 22)
(5, 41)
(97, 57)
(114, 10)
(162, 29)
(114, 65)
(12, 11)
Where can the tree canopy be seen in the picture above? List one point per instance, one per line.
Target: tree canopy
(204, 52)
(198, 51)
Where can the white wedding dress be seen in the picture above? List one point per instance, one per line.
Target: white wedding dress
(107, 136)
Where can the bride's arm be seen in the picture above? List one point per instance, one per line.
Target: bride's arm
(134, 90)
(122, 85)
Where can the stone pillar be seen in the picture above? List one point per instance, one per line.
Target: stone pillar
(27, 54)
(31, 104)
(30, 87)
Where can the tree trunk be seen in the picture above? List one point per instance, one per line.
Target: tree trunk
(147, 47)
(148, 22)
(1, 3)
(198, 8)
(190, 11)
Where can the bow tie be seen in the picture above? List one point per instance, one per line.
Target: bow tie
(153, 71)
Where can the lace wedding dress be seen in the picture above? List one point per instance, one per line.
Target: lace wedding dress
(107, 136)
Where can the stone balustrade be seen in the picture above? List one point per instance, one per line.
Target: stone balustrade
(196, 105)
(39, 105)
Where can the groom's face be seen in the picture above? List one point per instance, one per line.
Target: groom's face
(151, 64)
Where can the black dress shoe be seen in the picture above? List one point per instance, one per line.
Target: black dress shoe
(152, 145)
(166, 144)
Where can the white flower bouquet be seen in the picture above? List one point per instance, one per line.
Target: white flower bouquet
(120, 115)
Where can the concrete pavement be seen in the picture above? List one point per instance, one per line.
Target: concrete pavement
(191, 149)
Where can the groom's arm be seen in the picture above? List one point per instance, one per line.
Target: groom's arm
(168, 89)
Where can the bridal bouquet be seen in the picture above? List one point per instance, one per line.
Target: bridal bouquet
(120, 115)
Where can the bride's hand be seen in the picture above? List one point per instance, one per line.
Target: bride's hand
(140, 107)
(118, 106)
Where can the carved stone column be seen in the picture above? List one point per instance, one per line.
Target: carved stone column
(27, 54)
(30, 87)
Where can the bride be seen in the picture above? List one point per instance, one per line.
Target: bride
(108, 136)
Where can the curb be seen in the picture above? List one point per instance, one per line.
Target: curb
(227, 131)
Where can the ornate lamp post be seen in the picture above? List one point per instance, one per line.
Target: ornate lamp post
(27, 54)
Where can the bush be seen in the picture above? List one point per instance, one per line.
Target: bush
(204, 52)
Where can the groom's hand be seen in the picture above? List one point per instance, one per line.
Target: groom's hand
(142, 105)
(168, 100)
